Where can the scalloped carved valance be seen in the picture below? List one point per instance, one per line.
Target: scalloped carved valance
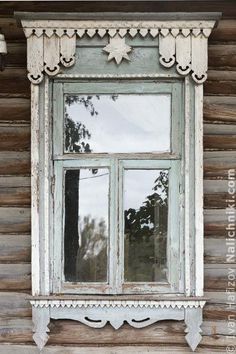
(52, 42)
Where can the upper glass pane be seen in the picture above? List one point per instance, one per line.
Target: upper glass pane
(117, 123)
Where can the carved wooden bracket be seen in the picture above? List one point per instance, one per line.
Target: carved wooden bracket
(138, 314)
(52, 42)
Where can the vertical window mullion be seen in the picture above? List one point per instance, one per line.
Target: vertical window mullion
(114, 263)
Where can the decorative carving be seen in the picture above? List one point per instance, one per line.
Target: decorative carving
(117, 49)
(183, 43)
(193, 320)
(119, 303)
(41, 319)
(137, 313)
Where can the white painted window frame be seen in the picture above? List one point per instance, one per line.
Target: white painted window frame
(51, 41)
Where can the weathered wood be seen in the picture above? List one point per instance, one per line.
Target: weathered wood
(227, 6)
(144, 349)
(11, 29)
(225, 31)
(220, 142)
(9, 89)
(14, 304)
(14, 220)
(215, 222)
(215, 186)
(222, 55)
(14, 163)
(15, 248)
(16, 55)
(14, 138)
(14, 191)
(215, 250)
(219, 109)
(216, 277)
(14, 109)
(217, 164)
(216, 200)
(15, 277)
(220, 82)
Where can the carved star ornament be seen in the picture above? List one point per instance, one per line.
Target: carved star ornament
(117, 49)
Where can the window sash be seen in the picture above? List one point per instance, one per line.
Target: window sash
(174, 88)
(116, 229)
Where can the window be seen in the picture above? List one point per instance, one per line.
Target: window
(117, 156)
(117, 225)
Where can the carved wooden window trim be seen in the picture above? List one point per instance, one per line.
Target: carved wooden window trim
(51, 45)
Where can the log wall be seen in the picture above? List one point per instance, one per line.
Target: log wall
(219, 156)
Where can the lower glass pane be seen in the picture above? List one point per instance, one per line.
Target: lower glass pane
(86, 225)
(145, 225)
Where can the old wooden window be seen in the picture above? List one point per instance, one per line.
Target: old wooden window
(117, 156)
(117, 168)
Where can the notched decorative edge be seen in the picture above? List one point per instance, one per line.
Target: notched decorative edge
(183, 43)
(118, 303)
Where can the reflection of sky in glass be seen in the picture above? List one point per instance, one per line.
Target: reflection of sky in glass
(93, 194)
(138, 184)
(128, 123)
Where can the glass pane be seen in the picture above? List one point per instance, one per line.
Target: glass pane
(145, 222)
(117, 123)
(86, 225)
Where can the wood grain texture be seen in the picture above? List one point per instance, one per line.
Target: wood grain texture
(14, 138)
(15, 277)
(144, 349)
(225, 31)
(15, 248)
(14, 220)
(9, 89)
(14, 163)
(14, 109)
(14, 305)
(219, 109)
(222, 55)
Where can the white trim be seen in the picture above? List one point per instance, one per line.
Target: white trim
(119, 303)
(35, 243)
(186, 189)
(199, 240)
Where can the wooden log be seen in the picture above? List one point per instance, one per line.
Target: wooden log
(16, 54)
(14, 304)
(219, 142)
(110, 349)
(14, 163)
(14, 109)
(14, 191)
(217, 164)
(15, 277)
(215, 222)
(221, 82)
(215, 250)
(216, 200)
(219, 109)
(8, 88)
(215, 186)
(11, 29)
(225, 6)
(216, 277)
(15, 248)
(225, 31)
(14, 220)
(14, 137)
(219, 129)
(222, 55)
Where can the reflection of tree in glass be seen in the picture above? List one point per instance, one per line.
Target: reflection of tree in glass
(76, 133)
(92, 254)
(146, 233)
